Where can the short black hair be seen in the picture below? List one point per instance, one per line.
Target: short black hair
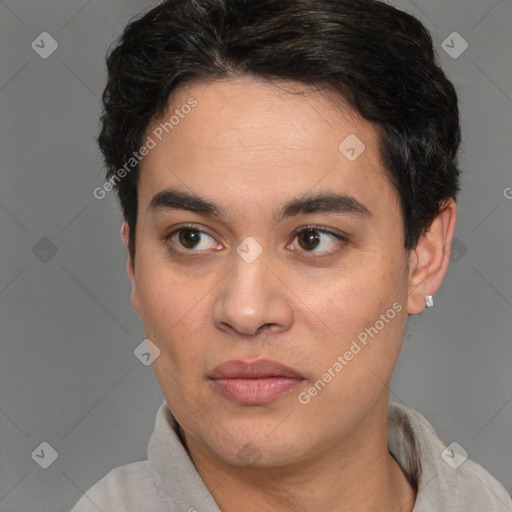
(379, 59)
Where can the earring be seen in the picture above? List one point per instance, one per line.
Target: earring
(429, 301)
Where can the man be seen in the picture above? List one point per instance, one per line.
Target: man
(287, 173)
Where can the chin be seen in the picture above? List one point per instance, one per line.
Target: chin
(258, 451)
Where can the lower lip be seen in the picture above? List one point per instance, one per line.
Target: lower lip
(255, 391)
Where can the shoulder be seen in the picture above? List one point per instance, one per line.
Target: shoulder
(127, 488)
(476, 487)
(446, 478)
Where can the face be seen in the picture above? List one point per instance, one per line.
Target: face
(290, 249)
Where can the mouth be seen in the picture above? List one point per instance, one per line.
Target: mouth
(254, 383)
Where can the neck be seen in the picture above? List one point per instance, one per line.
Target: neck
(353, 473)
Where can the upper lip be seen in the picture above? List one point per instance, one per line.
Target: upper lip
(263, 368)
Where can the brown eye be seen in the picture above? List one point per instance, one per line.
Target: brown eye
(309, 239)
(189, 237)
(318, 241)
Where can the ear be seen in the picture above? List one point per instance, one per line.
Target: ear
(130, 268)
(429, 260)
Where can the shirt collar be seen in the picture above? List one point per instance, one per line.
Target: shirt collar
(412, 441)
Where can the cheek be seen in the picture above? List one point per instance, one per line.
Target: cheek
(354, 298)
(363, 315)
(172, 311)
(353, 371)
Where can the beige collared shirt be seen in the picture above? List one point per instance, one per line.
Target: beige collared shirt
(169, 482)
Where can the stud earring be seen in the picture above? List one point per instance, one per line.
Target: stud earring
(429, 301)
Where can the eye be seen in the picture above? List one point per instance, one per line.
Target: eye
(311, 239)
(317, 240)
(192, 239)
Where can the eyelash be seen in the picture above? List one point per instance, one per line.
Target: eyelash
(320, 229)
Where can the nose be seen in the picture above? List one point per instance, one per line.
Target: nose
(252, 298)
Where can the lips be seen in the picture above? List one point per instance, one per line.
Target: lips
(255, 370)
(254, 383)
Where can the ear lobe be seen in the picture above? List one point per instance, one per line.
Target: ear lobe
(125, 233)
(130, 268)
(429, 260)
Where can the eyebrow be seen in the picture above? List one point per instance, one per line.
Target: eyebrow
(173, 199)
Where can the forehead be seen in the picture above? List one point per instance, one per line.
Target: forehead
(247, 139)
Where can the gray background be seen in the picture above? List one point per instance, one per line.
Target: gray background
(68, 374)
